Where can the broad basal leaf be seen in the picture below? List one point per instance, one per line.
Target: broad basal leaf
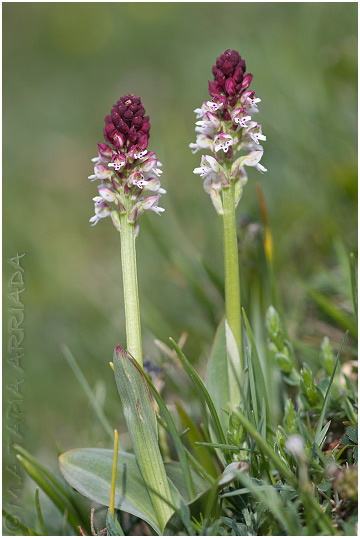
(88, 470)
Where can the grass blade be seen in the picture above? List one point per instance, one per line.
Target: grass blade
(17, 524)
(354, 283)
(217, 379)
(328, 307)
(252, 387)
(201, 387)
(258, 371)
(59, 501)
(55, 482)
(327, 395)
(39, 514)
(195, 438)
(267, 449)
(88, 391)
(223, 447)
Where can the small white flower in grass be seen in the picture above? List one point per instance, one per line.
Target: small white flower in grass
(223, 141)
(232, 471)
(295, 446)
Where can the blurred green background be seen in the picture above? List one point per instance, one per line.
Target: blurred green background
(65, 64)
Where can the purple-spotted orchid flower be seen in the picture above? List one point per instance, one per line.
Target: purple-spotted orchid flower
(225, 127)
(127, 171)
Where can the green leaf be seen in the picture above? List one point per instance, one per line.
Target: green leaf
(258, 371)
(179, 521)
(224, 447)
(170, 424)
(328, 307)
(214, 277)
(252, 388)
(354, 283)
(113, 527)
(352, 434)
(88, 391)
(39, 514)
(139, 412)
(202, 389)
(217, 381)
(267, 449)
(57, 498)
(327, 395)
(195, 437)
(176, 475)
(322, 435)
(89, 470)
(43, 470)
(17, 524)
(272, 500)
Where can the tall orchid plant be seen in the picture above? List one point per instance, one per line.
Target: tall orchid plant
(226, 129)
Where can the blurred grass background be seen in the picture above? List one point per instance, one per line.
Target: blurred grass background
(65, 64)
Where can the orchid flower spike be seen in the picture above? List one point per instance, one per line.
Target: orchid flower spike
(128, 173)
(225, 128)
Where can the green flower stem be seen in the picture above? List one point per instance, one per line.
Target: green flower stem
(231, 262)
(131, 293)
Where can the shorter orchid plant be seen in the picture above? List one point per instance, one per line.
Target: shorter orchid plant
(246, 470)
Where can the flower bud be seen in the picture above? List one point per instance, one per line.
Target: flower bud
(105, 152)
(231, 472)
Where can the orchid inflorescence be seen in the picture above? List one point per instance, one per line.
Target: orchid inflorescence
(225, 126)
(129, 174)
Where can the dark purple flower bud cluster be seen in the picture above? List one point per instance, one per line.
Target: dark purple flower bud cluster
(127, 124)
(229, 77)
(128, 173)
